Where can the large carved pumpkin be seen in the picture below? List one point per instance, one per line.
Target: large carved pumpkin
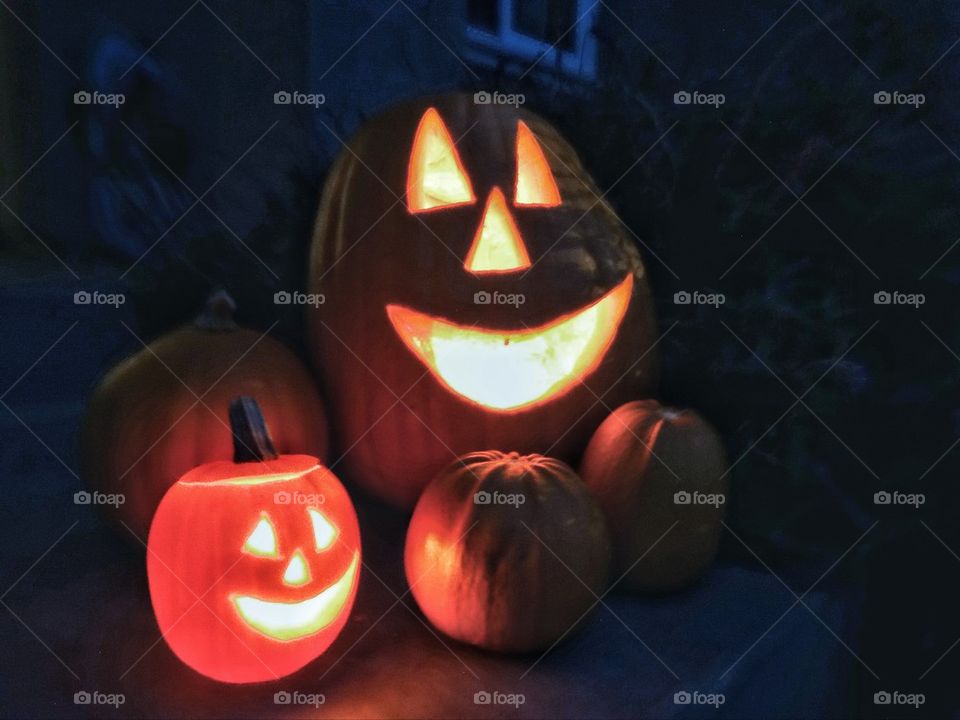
(144, 426)
(660, 476)
(478, 294)
(507, 552)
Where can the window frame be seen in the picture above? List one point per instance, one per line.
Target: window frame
(488, 47)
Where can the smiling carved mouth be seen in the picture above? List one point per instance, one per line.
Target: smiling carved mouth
(509, 370)
(292, 621)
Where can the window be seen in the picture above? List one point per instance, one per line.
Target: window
(554, 34)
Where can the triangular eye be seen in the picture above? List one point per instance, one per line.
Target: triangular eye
(262, 541)
(435, 175)
(324, 533)
(535, 182)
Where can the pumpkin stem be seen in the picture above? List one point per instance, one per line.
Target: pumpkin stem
(251, 438)
(217, 314)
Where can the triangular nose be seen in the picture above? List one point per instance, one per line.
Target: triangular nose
(497, 247)
(297, 572)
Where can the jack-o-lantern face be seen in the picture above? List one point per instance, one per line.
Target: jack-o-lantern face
(253, 566)
(292, 620)
(500, 370)
(471, 266)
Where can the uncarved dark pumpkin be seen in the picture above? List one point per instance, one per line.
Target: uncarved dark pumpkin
(144, 427)
(507, 552)
(640, 457)
(392, 251)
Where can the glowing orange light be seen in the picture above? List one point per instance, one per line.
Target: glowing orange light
(294, 620)
(497, 246)
(297, 572)
(276, 579)
(509, 370)
(535, 182)
(262, 541)
(435, 175)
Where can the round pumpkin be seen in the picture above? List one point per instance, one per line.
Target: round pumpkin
(145, 427)
(253, 565)
(491, 547)
(659, 475)
(477, 294)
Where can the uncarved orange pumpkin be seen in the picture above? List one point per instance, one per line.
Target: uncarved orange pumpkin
(145, 427)
(253, 564)
(506, 552)
(660, 476)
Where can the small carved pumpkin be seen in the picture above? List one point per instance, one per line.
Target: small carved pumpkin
(659, 475)
(144, 426)
(253, 565)
(478, 294)
(491, 547)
